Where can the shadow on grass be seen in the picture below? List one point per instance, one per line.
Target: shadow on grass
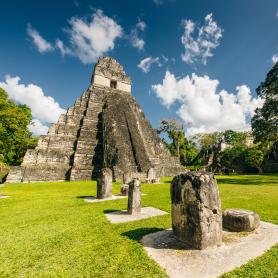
(137, 234)
(110, 210)
(83, 197)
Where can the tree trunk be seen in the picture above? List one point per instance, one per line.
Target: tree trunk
(260, 170)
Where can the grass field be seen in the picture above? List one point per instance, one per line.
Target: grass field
(47, 230)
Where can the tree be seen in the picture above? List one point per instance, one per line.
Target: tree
(233, 138)
(209, 145)
(175, 132)
(15, 138)
(254, 158)
(265, 120)
(242, 158)
(179, 145)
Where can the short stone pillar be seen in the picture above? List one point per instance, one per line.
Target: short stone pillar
(196, 209)
(151, 176)
(240, 220)
(104, 184)
(134, 197)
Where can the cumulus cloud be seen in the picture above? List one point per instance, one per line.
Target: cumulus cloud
(41, 44)
(199, 42)
(136, 32)
(275, 58)
(44, 108)
(90, 39)
(203, 108)
(37, 128)
(145, 64)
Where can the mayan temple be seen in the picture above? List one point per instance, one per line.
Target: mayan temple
(105, 128)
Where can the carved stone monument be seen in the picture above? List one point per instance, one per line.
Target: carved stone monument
(134, 197)
(106, 128)
(196, 209)
(104, 184)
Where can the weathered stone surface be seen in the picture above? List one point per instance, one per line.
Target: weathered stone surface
(196, 209)
(134, 197)
(104, 184)
(105, 128)
(180, 261)
(240, 220)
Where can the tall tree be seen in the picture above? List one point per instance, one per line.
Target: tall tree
(179, 145)
(265, 120)
(15, 137)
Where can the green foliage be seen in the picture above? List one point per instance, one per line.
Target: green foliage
(48, 231)
(234, 138)
(265, 120)
(15, 137)
(209, 145)
(242, 158)
(179, 145)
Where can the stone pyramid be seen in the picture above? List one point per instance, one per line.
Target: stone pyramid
(105, 128)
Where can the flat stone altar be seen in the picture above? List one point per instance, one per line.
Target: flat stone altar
(179, 261)
(122, 216)
(94, 199)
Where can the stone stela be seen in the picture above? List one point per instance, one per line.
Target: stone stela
(196, 210)
(134, 197)
(104, 184)
(105, 128)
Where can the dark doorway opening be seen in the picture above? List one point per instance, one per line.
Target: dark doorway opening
(113, 84)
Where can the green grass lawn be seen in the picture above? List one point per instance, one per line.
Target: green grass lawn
(47, 230)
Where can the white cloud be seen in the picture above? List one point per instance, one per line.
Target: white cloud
(275, 58)
(203, 108)
(91, 39)
(41, 44)
(135, 39)
(63, 49)
(145, 64)
(37, 128)
(44, 108)
(200, 41)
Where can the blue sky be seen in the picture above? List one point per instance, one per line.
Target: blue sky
(208, 56)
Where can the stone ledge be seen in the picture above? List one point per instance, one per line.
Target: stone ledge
(237, 249)
(94, 199)
(121, 216)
